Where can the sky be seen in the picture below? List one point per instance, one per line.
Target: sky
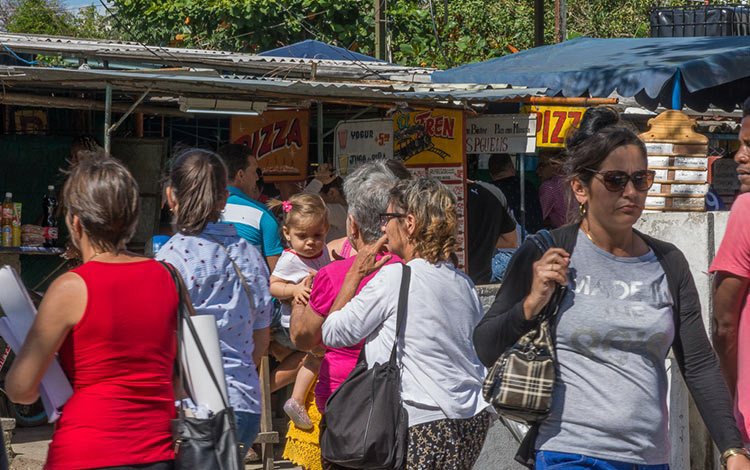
(80, 3)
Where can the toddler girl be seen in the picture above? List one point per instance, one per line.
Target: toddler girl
(304, 227)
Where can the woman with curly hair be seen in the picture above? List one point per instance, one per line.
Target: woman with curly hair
(441, 375)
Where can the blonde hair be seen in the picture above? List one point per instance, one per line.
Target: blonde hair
(299, 208)
(433, 207)
(104, 196)
(198, 179)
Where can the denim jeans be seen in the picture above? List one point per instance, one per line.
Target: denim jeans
(500, 263)
(248, 425)
(549, 460)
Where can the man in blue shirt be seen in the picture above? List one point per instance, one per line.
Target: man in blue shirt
(254, 222)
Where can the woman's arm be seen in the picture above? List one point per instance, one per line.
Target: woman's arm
(366, 262)
(527, 288)
(305, 327)
(365, 312)
(62, 307)
(699, 364)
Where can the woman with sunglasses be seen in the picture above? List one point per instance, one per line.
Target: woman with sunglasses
(630, 298)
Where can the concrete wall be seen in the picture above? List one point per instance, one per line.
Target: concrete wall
(698, 235)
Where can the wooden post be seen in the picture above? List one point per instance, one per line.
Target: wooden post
(380, 39)
(107, 120)
(561, 25)
(538, 23)
(267, 437)
(139, 124)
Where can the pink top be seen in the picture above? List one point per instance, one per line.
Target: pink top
(337, 362)
(556, 204)
(346, 249)
(734, 258)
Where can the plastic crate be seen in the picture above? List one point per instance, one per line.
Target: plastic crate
(695, 21)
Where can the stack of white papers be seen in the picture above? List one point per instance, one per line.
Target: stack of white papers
(14, 326)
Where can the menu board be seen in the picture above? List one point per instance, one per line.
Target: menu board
(501, 133)
(362, 141)
(432, 143)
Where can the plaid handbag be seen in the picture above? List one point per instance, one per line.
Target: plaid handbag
(519, 385)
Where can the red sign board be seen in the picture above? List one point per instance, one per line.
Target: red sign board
(278, 139)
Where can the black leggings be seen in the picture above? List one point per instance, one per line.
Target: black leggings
(163, 465)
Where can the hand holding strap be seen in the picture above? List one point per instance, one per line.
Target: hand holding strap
(544, 241)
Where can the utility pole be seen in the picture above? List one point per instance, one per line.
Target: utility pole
(380, 40)
(561, 23)
(538, 23)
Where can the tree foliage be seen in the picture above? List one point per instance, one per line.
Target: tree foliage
(436, 33)
(50, 17)
(421, 32)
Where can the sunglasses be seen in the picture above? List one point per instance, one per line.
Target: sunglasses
(616, 180)
(386, 217)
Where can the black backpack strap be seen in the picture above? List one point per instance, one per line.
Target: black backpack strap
(403, 300)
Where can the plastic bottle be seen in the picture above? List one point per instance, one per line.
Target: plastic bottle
(49, 221)
(6, 222)
(17, 208)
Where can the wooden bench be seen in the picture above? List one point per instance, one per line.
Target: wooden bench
(267, 437)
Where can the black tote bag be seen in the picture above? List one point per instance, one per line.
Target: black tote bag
(365, 425)
(202, 443)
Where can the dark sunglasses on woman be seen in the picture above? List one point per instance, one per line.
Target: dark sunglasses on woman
(616, 180)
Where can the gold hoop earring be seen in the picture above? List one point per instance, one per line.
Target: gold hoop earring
(582, 210)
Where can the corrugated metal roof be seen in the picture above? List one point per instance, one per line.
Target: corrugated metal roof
(129, 52)
(243, 87)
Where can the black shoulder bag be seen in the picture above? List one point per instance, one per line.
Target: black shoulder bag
(365, 425)
(519, 385)
(208, 443)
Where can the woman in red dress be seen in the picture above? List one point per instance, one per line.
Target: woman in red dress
(112, 320)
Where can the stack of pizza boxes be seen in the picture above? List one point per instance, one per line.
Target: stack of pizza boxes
(678, 154)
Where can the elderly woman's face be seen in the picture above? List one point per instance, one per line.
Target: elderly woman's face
(394, 229)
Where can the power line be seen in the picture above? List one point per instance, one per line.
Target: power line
(127, 29)
(437, 37)
(316, 32)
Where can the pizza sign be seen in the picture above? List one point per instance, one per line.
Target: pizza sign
(279, 140)
(554, 123)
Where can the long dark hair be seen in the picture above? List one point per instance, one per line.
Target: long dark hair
(198, 179)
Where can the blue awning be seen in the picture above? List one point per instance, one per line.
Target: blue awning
(311, 49)
(712, 70)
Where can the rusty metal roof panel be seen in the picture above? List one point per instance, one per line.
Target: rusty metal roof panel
(222, 60)
(187, 83)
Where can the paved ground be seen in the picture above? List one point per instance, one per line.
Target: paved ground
(30, 447)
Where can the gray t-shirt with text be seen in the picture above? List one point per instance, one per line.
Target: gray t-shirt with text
(614, 330)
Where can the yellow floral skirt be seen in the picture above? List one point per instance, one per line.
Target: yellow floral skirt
(303, 447)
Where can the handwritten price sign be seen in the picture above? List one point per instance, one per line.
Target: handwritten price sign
(554, 123)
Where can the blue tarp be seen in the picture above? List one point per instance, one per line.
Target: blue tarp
(311, 49)
(712, 70)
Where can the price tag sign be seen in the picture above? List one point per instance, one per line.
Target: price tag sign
(554, 123)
